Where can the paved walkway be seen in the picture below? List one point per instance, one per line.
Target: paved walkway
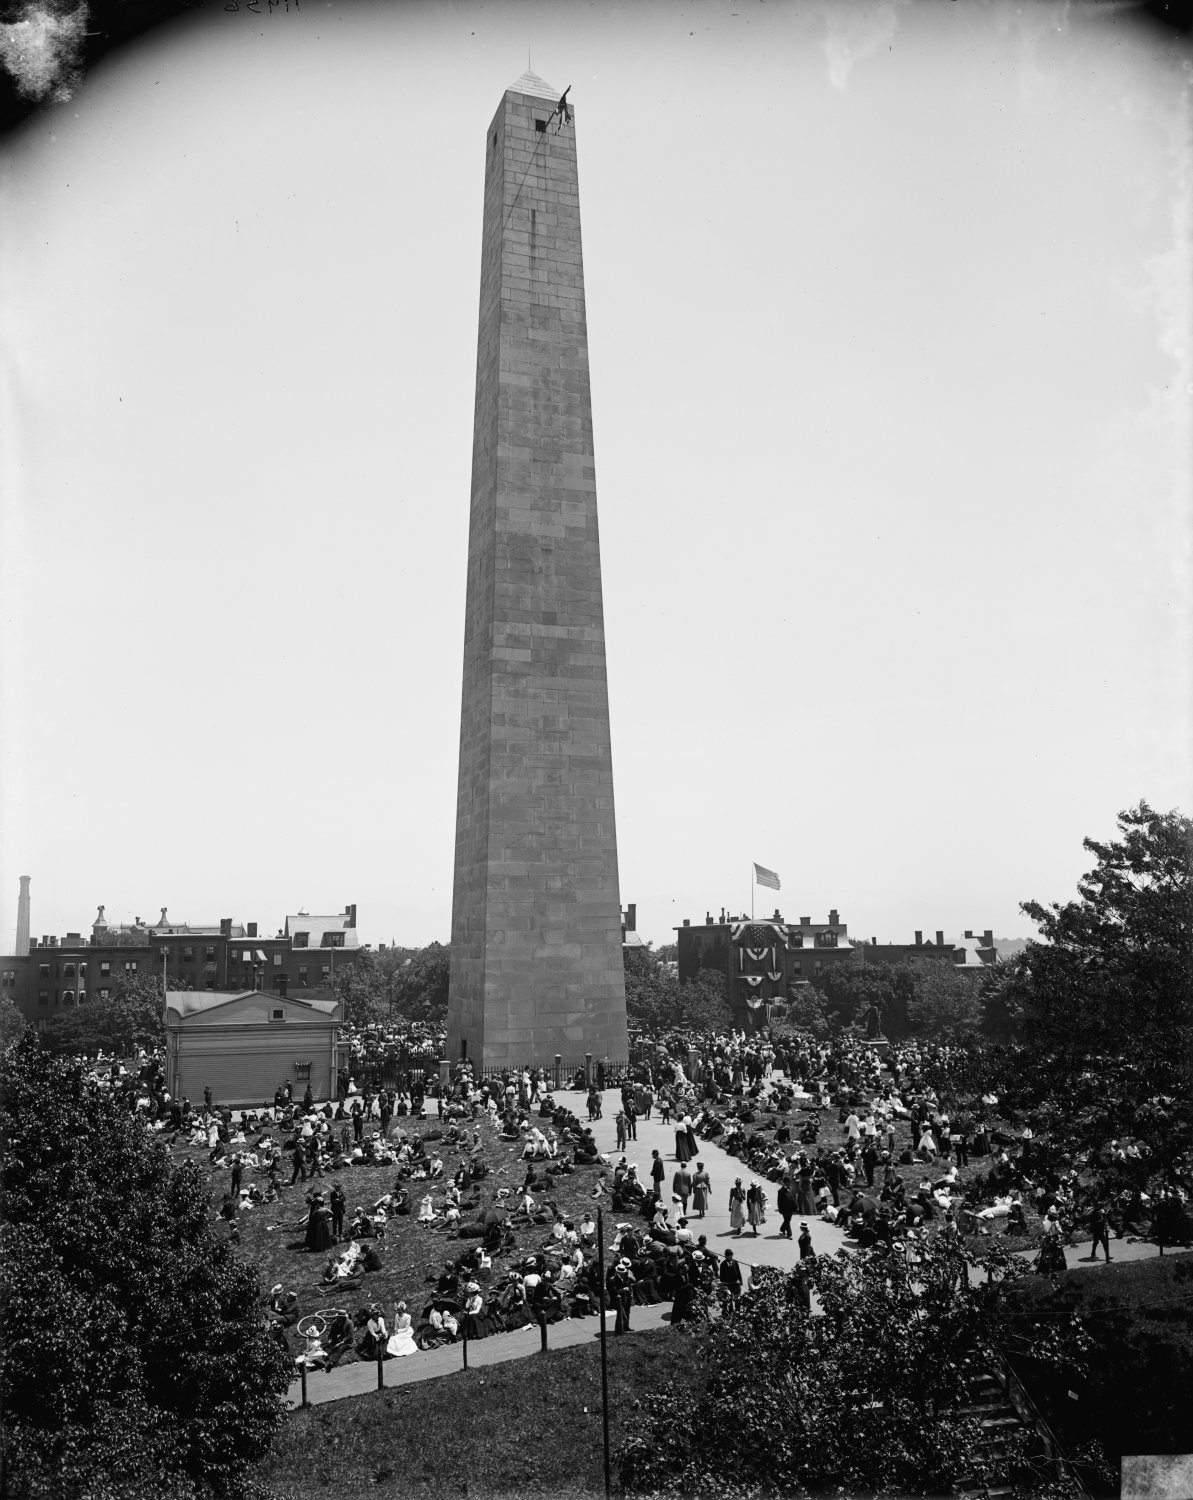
(769, 1248)
(428, 1364)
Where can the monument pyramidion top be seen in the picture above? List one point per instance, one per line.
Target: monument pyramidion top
(530, 83)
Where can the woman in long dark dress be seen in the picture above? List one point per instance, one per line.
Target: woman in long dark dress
(1052, 1251)
(701, 1188)
(318, 1235)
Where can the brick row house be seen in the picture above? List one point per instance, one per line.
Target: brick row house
(58, 973)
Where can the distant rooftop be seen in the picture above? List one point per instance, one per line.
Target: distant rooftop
(316, 927)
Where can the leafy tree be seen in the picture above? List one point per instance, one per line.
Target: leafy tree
(1104, 1000)
(657, 1001)
(702, 1003)
(867, 1398)
(1116, 966)
(12, 1022)
(135, 1357)
(129, 1018)
(849, 989)
(807, 1010)
(943, 1004)
(421, 980)
(364, 987)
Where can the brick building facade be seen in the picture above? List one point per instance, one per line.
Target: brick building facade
(59, 973)
(766, 959)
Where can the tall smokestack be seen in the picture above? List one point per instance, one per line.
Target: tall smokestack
(23, 918)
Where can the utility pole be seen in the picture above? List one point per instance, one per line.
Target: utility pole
(604, 1357)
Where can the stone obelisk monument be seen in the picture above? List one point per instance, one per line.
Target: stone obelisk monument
(536, 958)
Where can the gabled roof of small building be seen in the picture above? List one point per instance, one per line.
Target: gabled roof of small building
(185, 1003)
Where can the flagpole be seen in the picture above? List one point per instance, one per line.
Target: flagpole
(753, 879)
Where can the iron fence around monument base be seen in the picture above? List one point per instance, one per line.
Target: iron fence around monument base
(401, 1075)
(396, 1076)
(562, 1072)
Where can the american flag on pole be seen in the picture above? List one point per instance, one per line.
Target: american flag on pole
(763, 876)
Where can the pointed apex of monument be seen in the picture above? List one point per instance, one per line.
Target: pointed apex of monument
(530, 83)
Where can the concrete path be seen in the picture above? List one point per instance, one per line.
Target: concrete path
(428, 1364)
(769, 1248)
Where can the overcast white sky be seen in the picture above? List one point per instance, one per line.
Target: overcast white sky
(889, 312)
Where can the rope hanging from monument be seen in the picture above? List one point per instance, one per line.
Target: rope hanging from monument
(563, 112)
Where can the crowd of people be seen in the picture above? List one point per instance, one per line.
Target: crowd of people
(873, 1141)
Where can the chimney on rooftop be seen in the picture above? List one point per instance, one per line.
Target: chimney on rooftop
(988, 938)
(969, 932)
(163, 923)
(805, 921)
(252, 929)
(350, 913)
(834, 919)
(919, 938)
(23, 917)
(225, 927)
(631, 917)
(940, 939)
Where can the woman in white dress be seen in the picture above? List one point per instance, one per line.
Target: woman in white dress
(401, 1340)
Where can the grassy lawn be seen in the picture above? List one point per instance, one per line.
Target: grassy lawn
(410, 1252)
(530, 1427)
(1139, 1392)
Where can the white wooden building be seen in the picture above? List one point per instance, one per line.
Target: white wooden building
(244, 1044)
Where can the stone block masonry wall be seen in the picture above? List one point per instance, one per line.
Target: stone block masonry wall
(536, 925)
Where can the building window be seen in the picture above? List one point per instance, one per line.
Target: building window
(209, 953)
(301, 939)
(104, 994)
(188, 954)
(826, 939)
(277, 960)
(817, 967)
(130, 965)
(43, 971)
(68, 997)
(68, 970)
(326, 971)
(540, 126)
(105, 968)
(277, 1015)
(302, 973)
(797, 966)
(42, 997)
(333, 940)
(82, 997)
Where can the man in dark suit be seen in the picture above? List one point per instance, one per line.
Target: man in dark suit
(787, 1207)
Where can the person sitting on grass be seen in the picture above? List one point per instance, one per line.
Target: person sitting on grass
(339, 1338)
(372, 1344)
